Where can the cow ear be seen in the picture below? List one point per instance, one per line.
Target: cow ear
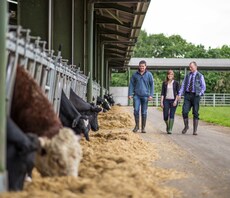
(42, 141)
(43, 144)
(75, 121)
(34, 141)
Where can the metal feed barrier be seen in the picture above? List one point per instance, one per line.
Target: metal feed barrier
(96, 90)
(51, 72)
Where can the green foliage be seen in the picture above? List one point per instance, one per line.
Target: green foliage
(119, 80)
(161, 46)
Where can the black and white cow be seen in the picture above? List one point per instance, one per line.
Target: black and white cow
(70, 117)
(103, 103)
(110, 99)
(21, 150)
(85, 108)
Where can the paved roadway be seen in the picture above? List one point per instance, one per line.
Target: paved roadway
(205, 158)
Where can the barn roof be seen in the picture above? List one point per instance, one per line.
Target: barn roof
(181, 63)
(119, 23)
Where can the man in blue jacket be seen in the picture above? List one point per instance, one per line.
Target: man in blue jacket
(141, 88)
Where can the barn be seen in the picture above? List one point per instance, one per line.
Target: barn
(64, 45)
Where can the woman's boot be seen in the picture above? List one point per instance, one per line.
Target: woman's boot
(167, 126)
(171, 121)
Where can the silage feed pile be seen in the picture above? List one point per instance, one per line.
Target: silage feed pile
(116, 163)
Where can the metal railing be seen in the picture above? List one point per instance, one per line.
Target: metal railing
(96, 90)
(51, 72)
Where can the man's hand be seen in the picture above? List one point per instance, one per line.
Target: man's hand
(174, 103)
(130, 97)
(150, 98)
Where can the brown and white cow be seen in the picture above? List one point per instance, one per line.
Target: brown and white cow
(33, 113)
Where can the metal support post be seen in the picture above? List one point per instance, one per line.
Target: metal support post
(90, 52)
(3, 55)
(102, 68)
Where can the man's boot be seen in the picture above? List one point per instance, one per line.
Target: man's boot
(185, 126)
(136, 128)
(171, 121)
(143, 123)
(195, 125)
(167, 126)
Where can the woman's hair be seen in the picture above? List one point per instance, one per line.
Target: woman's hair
(169, 72)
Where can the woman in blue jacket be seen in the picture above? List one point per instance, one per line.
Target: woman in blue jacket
(141, 88)
(169, 99)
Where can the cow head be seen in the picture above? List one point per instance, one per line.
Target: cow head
(104, 103)
(92, 115)
(82, 126)
(60, 155)
(110, 99)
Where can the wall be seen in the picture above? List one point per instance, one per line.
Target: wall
(120, 95)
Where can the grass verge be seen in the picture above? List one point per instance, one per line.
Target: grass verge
(216, 115)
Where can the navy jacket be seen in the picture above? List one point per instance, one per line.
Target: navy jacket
(176, 88)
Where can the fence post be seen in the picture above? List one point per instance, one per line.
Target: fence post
(224, 99)
(156, 99)
(129, 102)
(214, 100)
(204, 99)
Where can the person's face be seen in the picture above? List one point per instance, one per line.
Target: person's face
(170, 76)
(142, 67)
(192, 67)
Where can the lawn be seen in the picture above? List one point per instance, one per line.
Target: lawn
(216, 115)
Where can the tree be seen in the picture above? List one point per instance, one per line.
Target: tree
(161, 46)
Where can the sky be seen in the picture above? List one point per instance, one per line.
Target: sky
(205, 22)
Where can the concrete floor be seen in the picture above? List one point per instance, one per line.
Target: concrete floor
(205, 158)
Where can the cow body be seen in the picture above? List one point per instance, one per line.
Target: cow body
(30, 109)
(70, 117)
(86, 108)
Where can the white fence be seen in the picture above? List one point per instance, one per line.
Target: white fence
(209, 99)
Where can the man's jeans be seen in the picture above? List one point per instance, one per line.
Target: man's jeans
(138, 102)
(191, 100)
